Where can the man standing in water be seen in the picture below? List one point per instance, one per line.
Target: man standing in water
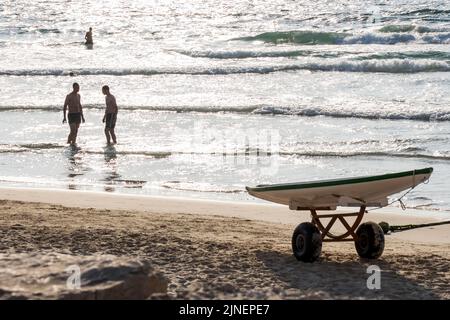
(88, 37)
(110, 116)
(75, 115)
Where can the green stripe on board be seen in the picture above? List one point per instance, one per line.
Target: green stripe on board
(337, 182)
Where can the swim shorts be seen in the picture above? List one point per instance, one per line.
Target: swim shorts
(74, 118)
(110, 122)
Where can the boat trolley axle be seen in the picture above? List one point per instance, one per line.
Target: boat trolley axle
(308, 236)
(326, 235)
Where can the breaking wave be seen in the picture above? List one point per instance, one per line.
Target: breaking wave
(431, 55)
(270, 110)
(395, 28)
(408, 152)
(342, 154)
(374, 65)
(298, 37)
(242, 54)
(239, 54)
(312, 112)
(386, 35)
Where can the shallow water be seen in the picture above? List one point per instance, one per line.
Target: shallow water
(214, 96)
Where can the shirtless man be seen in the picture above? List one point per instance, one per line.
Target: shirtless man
(88, 37)
(75, 114)
(110, 116)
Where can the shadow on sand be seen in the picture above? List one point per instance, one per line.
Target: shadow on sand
(347, 277)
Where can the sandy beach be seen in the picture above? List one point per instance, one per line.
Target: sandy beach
(212, 249)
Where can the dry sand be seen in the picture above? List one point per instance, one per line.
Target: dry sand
(211, 249)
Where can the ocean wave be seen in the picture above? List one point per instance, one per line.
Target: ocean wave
(241, 54)
(372, 38)
(386, 35)
(407, 152)
(46, 30)
(432, 55)
(153, 154)
(175, 109)
(396, 38)
(29, 30)
(425, 11)
(141, 71)
(312, 112)
(396, 28)
(424, 29)
(298, 37)
(13, 148)
(267, 110)
(71, 150)
(126, 183)
(414, 55)
(440, 38)
(152, 72)
(387, 66)
(389, 154)
(199, 187)
(399, 143)
(391, 66)
(40, 146)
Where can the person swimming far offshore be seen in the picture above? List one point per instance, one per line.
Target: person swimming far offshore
(88, 37)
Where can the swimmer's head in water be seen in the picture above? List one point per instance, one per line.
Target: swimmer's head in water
(105, 89)
(76, 87)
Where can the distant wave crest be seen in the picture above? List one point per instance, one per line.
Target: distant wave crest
(299, 37)
(395, 28)
(375, 65)
(312, 112)
(387, 35)
(242, 54)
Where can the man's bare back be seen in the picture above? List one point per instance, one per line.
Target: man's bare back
(73, 102)
(111, 105)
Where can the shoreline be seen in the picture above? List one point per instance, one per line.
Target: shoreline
(263, 212)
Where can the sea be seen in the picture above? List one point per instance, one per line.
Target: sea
(216, 95)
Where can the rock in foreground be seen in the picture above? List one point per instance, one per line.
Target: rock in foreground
(49, 275)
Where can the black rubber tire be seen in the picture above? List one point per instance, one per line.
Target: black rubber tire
(370, 241)
(306, 242)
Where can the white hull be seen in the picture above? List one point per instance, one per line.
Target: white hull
(368, 191)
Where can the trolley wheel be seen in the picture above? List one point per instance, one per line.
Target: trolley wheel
(306, 242)
(370, 240)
